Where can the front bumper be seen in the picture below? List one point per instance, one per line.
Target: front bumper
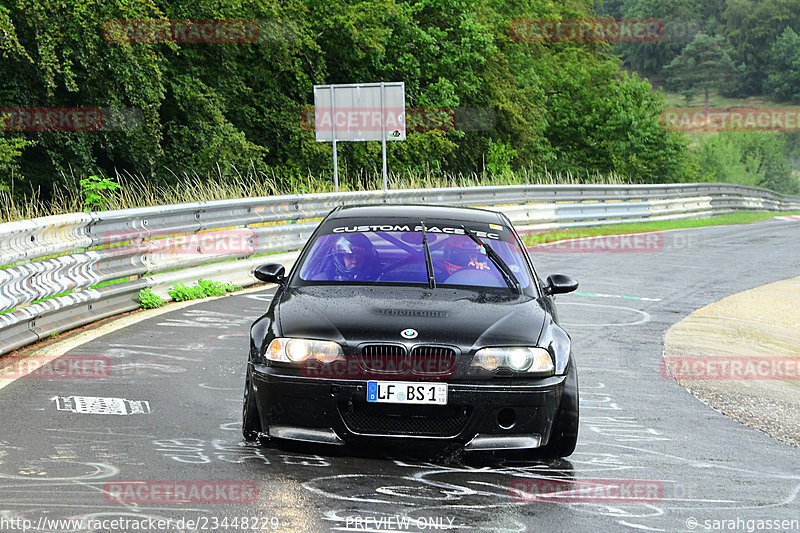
(480, 415)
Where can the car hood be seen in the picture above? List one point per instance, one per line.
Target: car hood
(464, 318)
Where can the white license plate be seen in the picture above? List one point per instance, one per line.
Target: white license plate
(407, 392)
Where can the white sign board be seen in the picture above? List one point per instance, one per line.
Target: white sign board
(360, 112)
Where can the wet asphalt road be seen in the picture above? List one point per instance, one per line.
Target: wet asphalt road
(188, 365)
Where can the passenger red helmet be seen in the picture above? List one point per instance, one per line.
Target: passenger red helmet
(459, 251)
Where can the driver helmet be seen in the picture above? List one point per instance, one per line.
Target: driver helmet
(354, 257)
(460, 251)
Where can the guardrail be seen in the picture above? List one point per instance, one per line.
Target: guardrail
(69, 270)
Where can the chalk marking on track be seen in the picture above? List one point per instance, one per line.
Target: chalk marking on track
(55, 350)
(600, 295)
(645, 316)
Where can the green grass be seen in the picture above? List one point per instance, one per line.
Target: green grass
(744, 217)
(138, 191)
(110, 282)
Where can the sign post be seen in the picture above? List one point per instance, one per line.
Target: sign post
(333, 137)
(383, 136)
(360, 112)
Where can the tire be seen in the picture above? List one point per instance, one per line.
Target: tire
(251, 421)
(564, 435)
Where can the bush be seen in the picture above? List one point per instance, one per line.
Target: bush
(180, 292)
(783, 81)
(746, 158)
(212, 288)
(498, 159)
(203, 289)
(97, 192)
(150, 300)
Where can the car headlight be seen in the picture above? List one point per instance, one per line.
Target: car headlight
(517, 358)
(299, 350)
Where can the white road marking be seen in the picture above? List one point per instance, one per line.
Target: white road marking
(94, 405)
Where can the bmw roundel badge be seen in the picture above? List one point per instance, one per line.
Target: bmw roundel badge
(409, 333)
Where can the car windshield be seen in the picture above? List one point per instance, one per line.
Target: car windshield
(369, 257)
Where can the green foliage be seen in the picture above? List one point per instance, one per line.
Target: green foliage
(202, 289)
(703, 64)
(750, 29)
(10, 151)
(97, 192)
(150, 300)
(746, 158)
(619, 132)
(60, 58)
(499, 156)
(783, 81)
(206, 110)
(180, 292)
(212, 288)
(681, 20)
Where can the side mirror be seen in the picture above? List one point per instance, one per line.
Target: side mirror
(271, 273)
(560, 284)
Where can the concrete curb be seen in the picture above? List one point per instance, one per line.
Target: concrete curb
(761, 324)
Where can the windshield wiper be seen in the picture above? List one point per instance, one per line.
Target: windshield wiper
(508, 275)
(428, 262)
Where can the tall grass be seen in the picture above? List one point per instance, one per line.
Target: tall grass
(13, 207)
(139, 191)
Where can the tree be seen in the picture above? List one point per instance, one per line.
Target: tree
(750, 27)
(10, 151)
(681, 21)
(783, 81)
(704, 63)
(208, 109)
(601, 120)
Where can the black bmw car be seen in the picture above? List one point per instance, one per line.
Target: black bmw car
(413, 324)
